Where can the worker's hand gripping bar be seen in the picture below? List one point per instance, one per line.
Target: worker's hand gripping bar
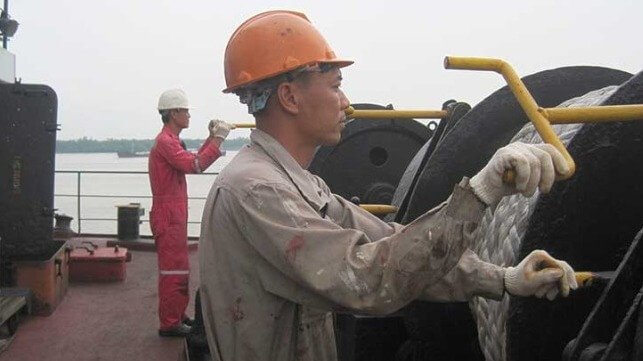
(525, 100)
(542, 118)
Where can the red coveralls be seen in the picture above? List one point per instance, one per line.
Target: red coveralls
(168, 164)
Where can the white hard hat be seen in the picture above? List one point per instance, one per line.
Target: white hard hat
(173, 99)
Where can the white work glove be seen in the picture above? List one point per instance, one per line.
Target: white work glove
(539, 274)
(219, 128)
(535, 166)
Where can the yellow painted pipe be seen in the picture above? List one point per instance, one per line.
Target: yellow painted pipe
(525, 100)
(602, 114)
(379, 208)
(244, 125)
(391, 113)
(587, 278)
(584, 278)
(380, 114)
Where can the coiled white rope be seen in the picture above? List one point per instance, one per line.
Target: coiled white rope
(500, 235)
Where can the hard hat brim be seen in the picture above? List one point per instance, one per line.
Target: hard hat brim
(188, 108)
(339, 63)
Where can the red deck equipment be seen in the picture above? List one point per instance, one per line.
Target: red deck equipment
(98, 264)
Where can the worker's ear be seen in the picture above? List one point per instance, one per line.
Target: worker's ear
(174, 113)
(288, 97)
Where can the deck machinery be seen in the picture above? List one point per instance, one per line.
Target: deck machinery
(594, 219)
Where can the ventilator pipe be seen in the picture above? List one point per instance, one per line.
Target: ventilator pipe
(381, 114)
(525, 100)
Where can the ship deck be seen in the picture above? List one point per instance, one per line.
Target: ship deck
(108, 321)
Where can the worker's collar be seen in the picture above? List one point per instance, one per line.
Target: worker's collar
(167, 129)
(299, 176)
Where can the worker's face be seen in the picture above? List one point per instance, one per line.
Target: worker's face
(181, 118)
(322, 105)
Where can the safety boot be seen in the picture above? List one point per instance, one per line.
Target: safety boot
(180, 330)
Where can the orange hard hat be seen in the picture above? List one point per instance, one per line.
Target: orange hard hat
(274, 43)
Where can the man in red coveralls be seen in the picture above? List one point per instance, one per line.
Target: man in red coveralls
(168, 164)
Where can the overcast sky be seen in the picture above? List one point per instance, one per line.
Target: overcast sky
(108, 61)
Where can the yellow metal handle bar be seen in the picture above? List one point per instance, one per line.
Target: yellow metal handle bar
(379, 208)
(583, 278)
(380, 114)
(603, 114)
(244, 125)
(587, 278)
(525, 100)
(391, 113)
(542, 118)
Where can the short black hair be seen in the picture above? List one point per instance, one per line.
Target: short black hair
(165, 115)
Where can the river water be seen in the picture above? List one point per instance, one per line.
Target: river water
(101, 193)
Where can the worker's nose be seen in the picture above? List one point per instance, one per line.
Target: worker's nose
(343, 100)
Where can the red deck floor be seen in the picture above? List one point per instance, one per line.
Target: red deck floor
(114, 321)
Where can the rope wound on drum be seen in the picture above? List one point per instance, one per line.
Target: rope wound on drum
(543, 118)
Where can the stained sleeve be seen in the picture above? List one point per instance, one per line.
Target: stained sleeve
(372, 268)
(470, 277)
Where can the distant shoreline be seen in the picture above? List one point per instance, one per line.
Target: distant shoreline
(88, 145)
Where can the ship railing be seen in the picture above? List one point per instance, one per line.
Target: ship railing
(83, 192)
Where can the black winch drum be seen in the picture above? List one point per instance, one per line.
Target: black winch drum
(468, 146)
(588, 220)
(401, 199)
(436, 329)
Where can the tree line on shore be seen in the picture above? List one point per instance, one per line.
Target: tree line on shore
(88, 145)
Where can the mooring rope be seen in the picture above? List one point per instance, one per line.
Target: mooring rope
(500, 235)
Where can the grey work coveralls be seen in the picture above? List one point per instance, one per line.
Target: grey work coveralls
(279, 251)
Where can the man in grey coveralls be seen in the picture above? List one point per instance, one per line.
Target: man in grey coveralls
(279, 252)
